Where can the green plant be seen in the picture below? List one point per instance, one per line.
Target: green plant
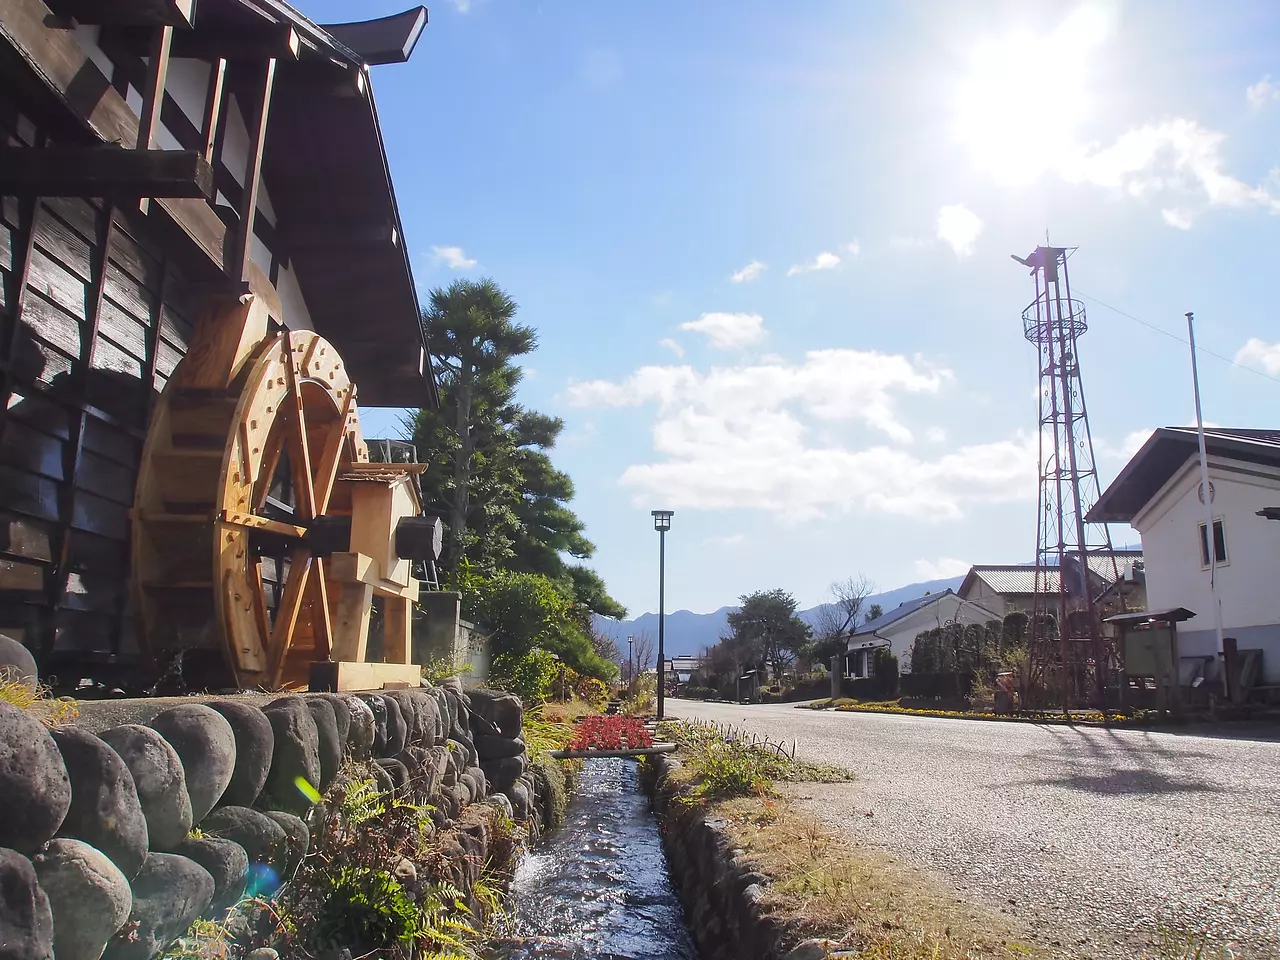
(1175, 945)
(532, 676)
(367, 909)
(438, 669)
(644, 694)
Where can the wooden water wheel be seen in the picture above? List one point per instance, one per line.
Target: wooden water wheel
(261, 531)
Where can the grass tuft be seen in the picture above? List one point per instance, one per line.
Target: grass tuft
(36, 699)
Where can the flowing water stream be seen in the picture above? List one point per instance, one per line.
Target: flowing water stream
(597, 888)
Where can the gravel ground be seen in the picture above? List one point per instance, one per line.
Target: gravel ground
(1103, 842)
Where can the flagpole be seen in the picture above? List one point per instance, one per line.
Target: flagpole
(1206, 494)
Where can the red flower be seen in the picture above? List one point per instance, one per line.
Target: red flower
(610, 733)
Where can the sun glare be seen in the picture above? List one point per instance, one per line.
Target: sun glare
(1023, 95)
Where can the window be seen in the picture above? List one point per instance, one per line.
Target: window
(1219, 545)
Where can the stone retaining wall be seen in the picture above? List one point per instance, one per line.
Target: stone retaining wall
(118, 841)
(719, 887)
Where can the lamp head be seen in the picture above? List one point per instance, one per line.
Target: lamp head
(662, 519)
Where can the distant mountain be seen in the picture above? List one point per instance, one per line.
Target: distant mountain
(688, 633)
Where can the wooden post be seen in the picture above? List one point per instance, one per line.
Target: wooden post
(153, 96)
(398, 619)
(238, 263)
(213, 107)
(1231, 669)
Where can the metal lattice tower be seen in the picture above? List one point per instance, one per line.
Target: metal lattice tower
(1068, 654)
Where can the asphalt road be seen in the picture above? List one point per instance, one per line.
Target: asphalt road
(1105, 841)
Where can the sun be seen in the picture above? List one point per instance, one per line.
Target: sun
(1023, 96)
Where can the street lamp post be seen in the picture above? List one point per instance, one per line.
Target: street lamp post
(631, 668)
(662, 523)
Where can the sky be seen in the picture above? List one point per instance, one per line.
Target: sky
(767, 247)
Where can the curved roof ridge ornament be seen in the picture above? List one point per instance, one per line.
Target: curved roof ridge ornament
(384, 40)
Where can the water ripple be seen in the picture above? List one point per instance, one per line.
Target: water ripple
(598, 888)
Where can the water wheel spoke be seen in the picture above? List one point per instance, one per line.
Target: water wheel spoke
(289, 610)
(321, 623)
(299, 445)
(331, 455)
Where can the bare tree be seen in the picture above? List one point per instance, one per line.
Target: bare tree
(636, 657)
(848, 596)
(836, 621)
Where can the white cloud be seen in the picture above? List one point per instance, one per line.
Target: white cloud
(672, 345)
(1176, 218)
(959, 228)
(1260, 355)
(729, 331)
(941, 569)
(935, 435)
(823, 261)
(749, 272)
(1174, 157)
(853, 248)
(452, 257)
(743, 437)
(462, 6)
(731, 540)
(1261, 93)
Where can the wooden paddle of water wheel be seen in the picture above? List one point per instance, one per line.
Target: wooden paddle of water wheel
(261, 531)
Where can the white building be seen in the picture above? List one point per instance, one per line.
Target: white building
(899, 628)
(1158, 492)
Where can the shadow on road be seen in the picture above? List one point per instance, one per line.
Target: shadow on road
(1131, 781)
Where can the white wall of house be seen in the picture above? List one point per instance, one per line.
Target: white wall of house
(187, 82)
(1248, 583)
(981, 593)
(901, 634)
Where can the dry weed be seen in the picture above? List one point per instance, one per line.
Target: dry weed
(858, 897)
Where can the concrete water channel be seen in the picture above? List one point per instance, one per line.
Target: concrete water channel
(598, 888)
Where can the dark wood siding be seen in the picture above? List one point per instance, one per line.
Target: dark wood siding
(93, 319)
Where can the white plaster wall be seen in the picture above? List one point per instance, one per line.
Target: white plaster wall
(902, 634)
(1249, 583)
(292, 303)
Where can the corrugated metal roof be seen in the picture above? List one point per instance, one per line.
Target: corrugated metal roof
(1015, 578)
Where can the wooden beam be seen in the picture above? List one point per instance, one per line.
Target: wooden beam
(345, 676)
(105, 171)
(64, 67)
(143, 13)
(238, 262)
(261, 42)
(339, 237)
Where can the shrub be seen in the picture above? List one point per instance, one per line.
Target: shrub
(644, 695)
(532, 676)
(592, 691)
(694, 692)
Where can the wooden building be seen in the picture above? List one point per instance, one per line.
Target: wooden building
(162, 161)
